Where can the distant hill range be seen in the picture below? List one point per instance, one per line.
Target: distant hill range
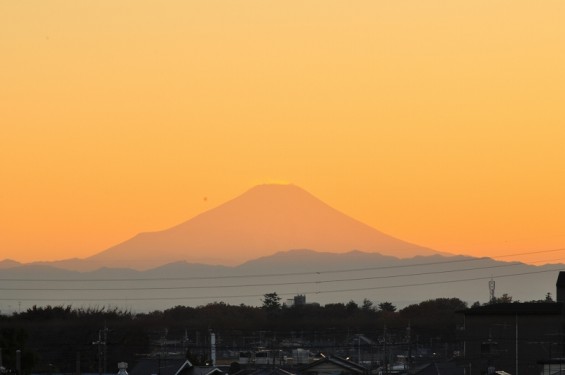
(263, 221)
(323, 277)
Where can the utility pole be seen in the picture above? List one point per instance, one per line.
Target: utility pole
(213, 348)
(409, 333)
(105, 348)
(185, 342)
(78, 364)
(19, 362)
(385, 352)
(99, 343)
(516, 344)
(358, 339)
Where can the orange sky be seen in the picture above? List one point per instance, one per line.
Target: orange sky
(438, 122)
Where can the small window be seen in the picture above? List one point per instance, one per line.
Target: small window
(488, 347)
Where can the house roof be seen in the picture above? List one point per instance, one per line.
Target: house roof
(427, 369)
(163, 366)
(184, 367)
(263, 371)
(152, 366)
(364, 339)
(338, 361)
(525, 308)
(198, 370)
(449, 367)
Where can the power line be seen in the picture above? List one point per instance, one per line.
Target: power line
(267, 284)
(281, 294)
(280, 274)
(528, 253)
(447, 281)
(254, 275)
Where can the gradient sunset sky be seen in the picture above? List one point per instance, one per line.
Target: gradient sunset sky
(441, 123)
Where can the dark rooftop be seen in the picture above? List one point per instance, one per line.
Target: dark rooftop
(338, 361)
(164, 366)
(525, 308)
(263, 371)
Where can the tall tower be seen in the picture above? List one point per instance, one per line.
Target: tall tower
(491, 286)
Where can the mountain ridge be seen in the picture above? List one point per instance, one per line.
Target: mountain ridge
(322, 277)
(265, 220)
(262, 221)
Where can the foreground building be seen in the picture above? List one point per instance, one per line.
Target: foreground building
(512, 337)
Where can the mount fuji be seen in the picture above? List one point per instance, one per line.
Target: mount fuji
(262, 221)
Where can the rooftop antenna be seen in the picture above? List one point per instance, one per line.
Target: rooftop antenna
(491, 286)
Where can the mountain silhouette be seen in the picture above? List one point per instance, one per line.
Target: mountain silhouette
(9, 263)
(264, 220)
(321, 276)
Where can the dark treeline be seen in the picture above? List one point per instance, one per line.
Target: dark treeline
(52, 337)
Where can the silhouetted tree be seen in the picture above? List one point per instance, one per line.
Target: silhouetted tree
(352, 306)
(367, 305)
(271, 301)
(435, 318)
(387, 307)
(505, 298)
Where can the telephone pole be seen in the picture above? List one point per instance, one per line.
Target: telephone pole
(385, 352)
(409, 332)
(100, 343)
(105, 348)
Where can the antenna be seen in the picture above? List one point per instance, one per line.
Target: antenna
(491, 286)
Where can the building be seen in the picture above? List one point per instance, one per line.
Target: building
(560, 287)
(298, 300)
(512, 337)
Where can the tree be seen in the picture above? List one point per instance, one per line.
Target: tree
(367, 305)
(435, 318)
(352, 306)
(387, 307)
(271, 301)
(548, 297)
(505, 298)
